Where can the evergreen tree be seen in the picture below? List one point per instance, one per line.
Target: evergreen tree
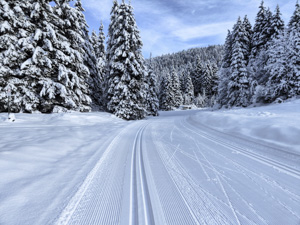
(247, 39)
(197, 76)
(166, 96)
(97, 41)
(293, 52)
(100, 52)
(188, 89)
(94, 80)
(277, 24)
(239, 83)
(152, 103)
(176, 90)
(224, 72)
(39, 69)
(262, 31)
(278, 85)
(73, 73)
(126, 70)
(14, 24)
(294, 21)
(214, 80)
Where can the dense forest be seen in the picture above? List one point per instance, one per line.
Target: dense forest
(50, 63)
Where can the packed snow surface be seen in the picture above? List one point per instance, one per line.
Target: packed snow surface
(239, 166)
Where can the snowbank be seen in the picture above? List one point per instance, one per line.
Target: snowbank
(277, 123)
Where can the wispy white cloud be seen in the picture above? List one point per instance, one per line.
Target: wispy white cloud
(98, 9)
(201, 31)
(174, 25)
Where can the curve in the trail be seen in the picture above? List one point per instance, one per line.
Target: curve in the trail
(241, 150)
(170, 170)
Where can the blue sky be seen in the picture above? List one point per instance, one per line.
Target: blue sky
(169, 26)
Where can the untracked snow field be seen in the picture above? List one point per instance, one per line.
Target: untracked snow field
(238, 166)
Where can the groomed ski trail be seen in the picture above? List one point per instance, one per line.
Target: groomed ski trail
(173, 170)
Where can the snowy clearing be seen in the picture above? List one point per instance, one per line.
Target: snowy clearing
(184, 167)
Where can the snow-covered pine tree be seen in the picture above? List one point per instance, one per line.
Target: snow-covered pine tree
(261, 38)
(259, 29)
(214, 80)
(188, 89)
(100, 52)
(97, 41)
(110, 48)
(14, 24)
(166, 95)
(126, 70)
(95, 80)
(283, 63)
(247, 39)
(278, 82)
(38, 68)
(176, 90)
(152, 102)
(69, 67)
(294, 21)
(277, 24)
(239, 91)
(224, 72)
(197, 76)
(209, 80)
(94, 41)
(293, 52)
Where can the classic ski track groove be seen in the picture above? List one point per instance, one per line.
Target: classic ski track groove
(70, 209)
(106, 181)
(138, 183)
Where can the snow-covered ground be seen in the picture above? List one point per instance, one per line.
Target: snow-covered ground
(276, 123)
(238, 166)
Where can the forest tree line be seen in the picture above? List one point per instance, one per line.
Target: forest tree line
(50, 63)
(258, 64)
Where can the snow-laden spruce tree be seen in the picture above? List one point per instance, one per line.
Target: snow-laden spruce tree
(97, 42)
(176, 90)
(293, 52)
(152, 102)
(14, 24)
(277, 85)
(224, 72)
(197, 75)
(188, 89)
(277, 24)
(247, 39)
(69, 69)
(95, 79)
(261, 32)
(261, 37)
(283, 62)
(213, 68)
(239, 90)
(166, 95)
(39, 68)
(125, 65)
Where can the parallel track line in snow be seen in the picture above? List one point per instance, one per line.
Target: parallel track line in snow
(221, 185)
(269, 162)
(220, 176)
(73, 204)
(240, 167)
(262, 220)
(139, 186)
(199, 204)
